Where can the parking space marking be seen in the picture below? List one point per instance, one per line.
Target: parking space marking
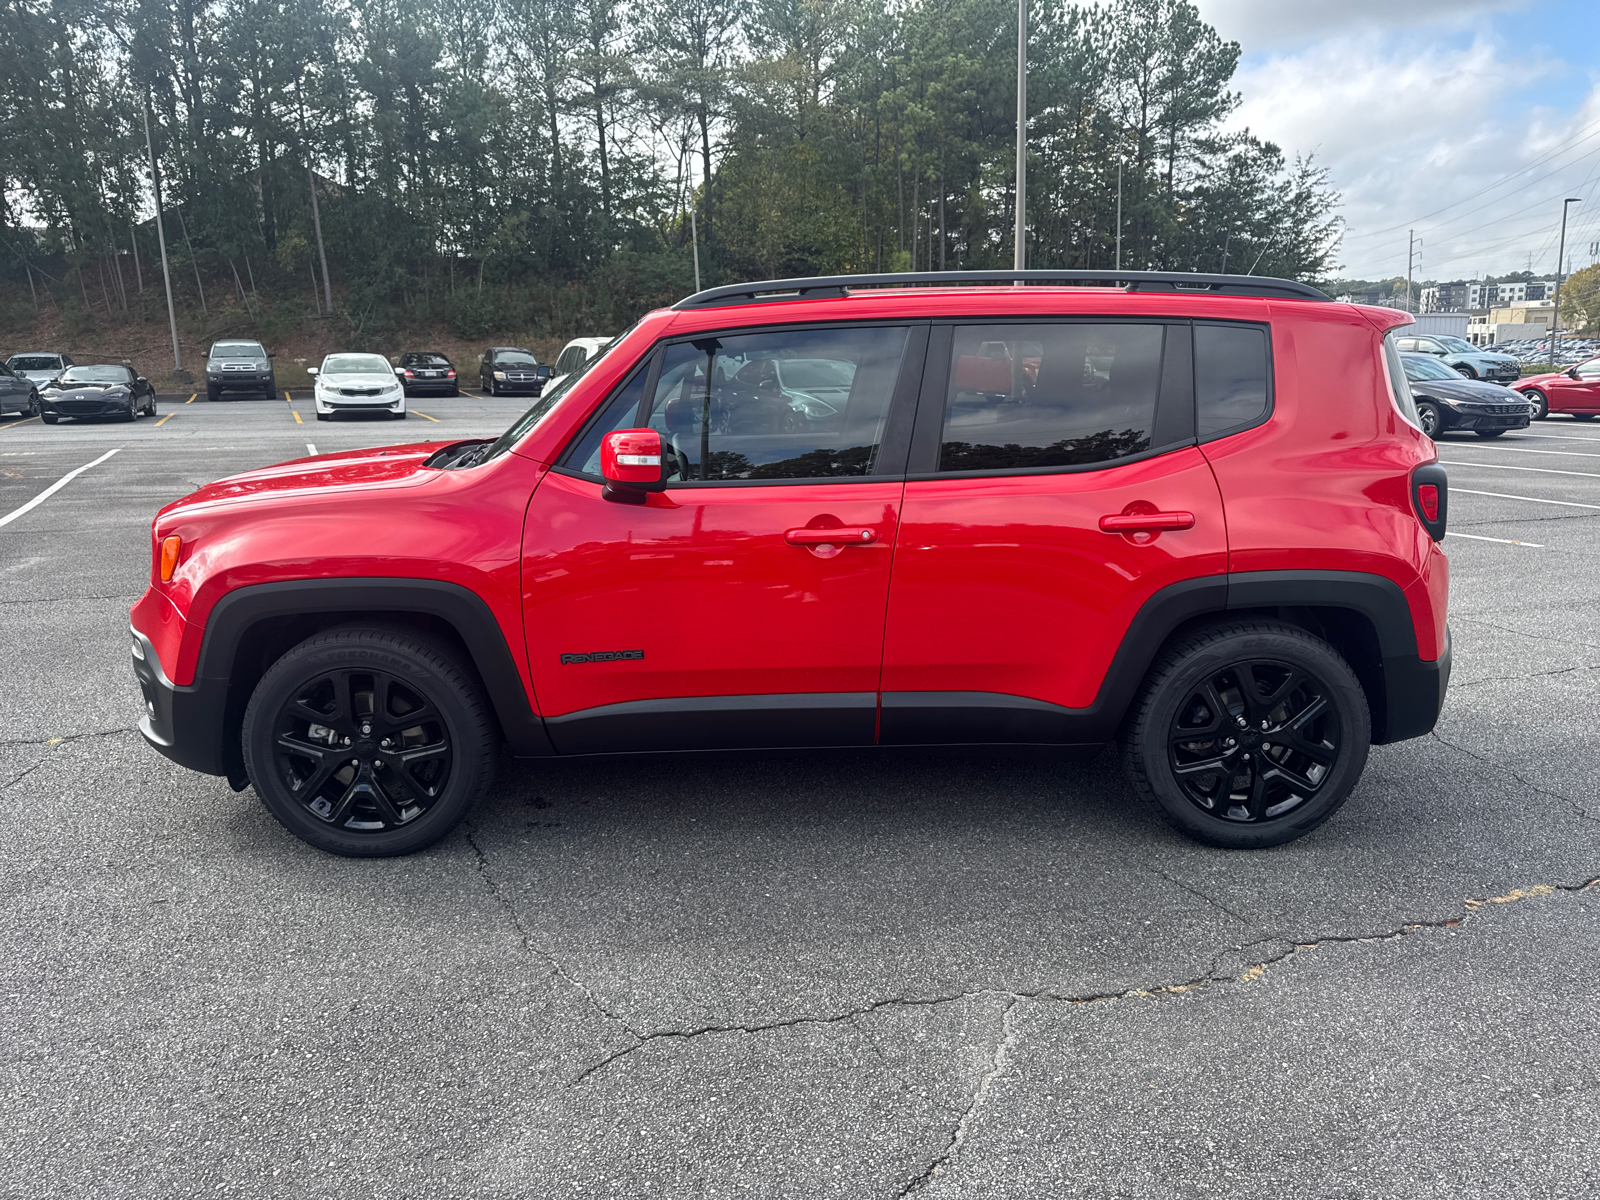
(190, 400)
(297, 419)
(1554, 437)
(1455, 462)
(435, 420)
(54, 488)
(1478, 537)
(1529, 499)
(1522, 450)
(312, 447)
(166, 418)
(14, 424)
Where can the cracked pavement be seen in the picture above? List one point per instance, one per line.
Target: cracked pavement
(794, 975)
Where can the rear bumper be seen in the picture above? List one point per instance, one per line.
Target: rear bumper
(183, 723)
(1414, 693)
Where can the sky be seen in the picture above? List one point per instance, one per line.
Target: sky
(1468, 121)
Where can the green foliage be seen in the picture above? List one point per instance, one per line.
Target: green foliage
(534, 164)
(1580, 299)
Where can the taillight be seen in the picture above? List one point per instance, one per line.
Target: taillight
(169, 556)
(410, 374)
(1430, 496)
(450, 374)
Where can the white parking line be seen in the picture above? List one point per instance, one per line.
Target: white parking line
(1478, 537)
(1455, 462)
(1521, 450)
(311, 448)
(1549, 437)
(1529, 499)
(54, 488)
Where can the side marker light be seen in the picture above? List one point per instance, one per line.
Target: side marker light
(169, 556)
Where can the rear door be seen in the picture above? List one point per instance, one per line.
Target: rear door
(744, 605)
(1055, 485)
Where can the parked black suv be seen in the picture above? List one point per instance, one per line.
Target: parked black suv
(240, 366)
(425, 371)
(1446, 402)
(507, 369)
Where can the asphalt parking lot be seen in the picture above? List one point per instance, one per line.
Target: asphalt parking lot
(799, 976)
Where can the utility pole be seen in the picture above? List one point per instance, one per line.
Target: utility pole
(161, 235)
(316, 218)
(1411, 246)
(1555, 325)
(694, 228)
(133, 240)
(1119, 208)
(1020, 246)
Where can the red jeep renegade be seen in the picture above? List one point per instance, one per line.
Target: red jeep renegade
(1193, 513)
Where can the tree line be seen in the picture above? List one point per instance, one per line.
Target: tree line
(550, 164)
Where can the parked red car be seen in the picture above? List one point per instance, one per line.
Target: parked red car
(1575, 391)
(1193, 513)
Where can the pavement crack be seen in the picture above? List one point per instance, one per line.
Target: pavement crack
(1575, 805)
(1542, 637)
(532, 947)
(958, 1136)
(1199, 895)
(1530, 675)
(61, 740)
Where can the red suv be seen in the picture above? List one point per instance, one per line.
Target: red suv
(1191, 513)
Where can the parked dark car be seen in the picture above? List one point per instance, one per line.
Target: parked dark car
(98, 390)
(17, 392)
(505, 370)
(240, 366)
(427, 372)
(1446, 402)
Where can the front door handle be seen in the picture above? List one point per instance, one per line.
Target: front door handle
(848, 535)
(1146, 522)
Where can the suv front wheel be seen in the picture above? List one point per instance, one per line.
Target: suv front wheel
(368, 742)
(1248, 734)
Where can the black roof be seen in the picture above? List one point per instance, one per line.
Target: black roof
(839, 286)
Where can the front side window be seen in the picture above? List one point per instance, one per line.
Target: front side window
(1231, 374)
(1590, 369)
(792, 404)
(1025, 396)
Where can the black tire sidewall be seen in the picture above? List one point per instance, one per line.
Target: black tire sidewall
(1438, 418)
(1145, 746)
(423, 665)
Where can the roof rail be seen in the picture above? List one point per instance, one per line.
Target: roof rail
(838, 286)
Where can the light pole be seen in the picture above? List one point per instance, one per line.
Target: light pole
(1555, 319)
(161, 235)
(1020, 249)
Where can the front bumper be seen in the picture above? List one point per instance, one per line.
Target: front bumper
(86, 408)
(384, 404)
(184, 723)
(239, 379)
(1471, 420)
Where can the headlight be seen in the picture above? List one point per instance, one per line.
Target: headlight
(499, 374)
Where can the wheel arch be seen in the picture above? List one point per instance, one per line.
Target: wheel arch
(251, 627)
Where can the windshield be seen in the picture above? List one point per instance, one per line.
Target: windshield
(1459, 345)
(34, 362)
(546, 402)
(238, 350)
(356, 364)
(1428, 368)
(515, 356)
(96, 375)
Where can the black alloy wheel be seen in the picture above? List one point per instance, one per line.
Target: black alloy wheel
(1541, 404)
(1429, 418)
(132, 413)
(34, 408)
(368, 742)
(1249, 734)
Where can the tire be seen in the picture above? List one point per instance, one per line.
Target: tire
(272, 391)
(131, 415)
(1308, 779)
(1429, 417)
(1540, 402)
(396, 800)
(49, 418)
(212, 393)
(323, 416)
(1467, 371)
(1488, 433)
(400, 416)
(150, 410)
(454, 390)
(34, 408)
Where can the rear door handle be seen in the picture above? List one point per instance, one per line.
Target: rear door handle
(848, 535)
(1147, 522)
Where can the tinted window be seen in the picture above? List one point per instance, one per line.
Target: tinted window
(726, 411)
(1230, 376)
(1049, 395)
(620, 412)
(35, 362)
(425, 360)
(516, 356)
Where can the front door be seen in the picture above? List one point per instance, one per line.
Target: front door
(1576, 395)
(1055, 486)
(744, 605)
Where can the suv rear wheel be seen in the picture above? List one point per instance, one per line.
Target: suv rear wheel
(1248, 734)
(368, 742)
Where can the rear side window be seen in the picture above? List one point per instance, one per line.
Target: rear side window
(1399, 389)
(1025, 396)
(1231, 377)
(791, 404)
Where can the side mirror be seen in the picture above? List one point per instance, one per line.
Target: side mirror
(399, 370)
(142, 381)
(630, 461)
(542, 371)
(272, 354)
(1572, 373)
(311, 370)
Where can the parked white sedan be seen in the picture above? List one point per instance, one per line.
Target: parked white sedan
(358, 383)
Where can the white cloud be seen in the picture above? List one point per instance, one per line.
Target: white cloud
(1408, 125)
(1260, 24)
